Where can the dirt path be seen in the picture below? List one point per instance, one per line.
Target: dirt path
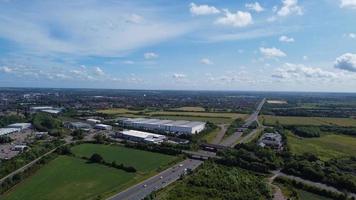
(278, 195)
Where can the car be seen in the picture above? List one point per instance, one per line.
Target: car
(161, 177)
(144, 185)
(180, 165)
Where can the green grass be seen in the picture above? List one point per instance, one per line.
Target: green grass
(326, 147)
(212, 135)
(143, 161)
(190, 108)
(310, 196)
(316, 121)
(70, 178)
(67, 178)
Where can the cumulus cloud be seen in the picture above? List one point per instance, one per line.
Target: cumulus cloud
(206, 61)
(238, 19)
(254, 6)
(5, 69)
(296, 72)
(203, 9)
(135, 18)
(150, 55)
(290, 7)
(346, 62)
(179, 76)
(285, 38)
(352, 35)
(99, 71)
(348, 4)
(272, 52)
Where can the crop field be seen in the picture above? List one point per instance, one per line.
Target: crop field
(143, 161)
(307, 195)
(327, 146)
(67, 178)
(114, 111)
(316, 121)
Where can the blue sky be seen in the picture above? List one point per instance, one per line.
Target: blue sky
(275, 45)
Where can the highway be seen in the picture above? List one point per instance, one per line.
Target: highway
(158, 181)
(231, 140)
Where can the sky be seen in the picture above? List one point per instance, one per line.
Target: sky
(274, 45)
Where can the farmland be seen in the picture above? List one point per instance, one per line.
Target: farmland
(315, 121)
(74, 178)
(215, 117)
(326, 147)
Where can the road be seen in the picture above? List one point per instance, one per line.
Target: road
(220, 135)
(154, 183)
(231, 140)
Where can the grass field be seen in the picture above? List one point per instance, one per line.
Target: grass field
(326, 147)
(190, 108)
(214, 117)
(211, 136)
(143, 161)
(67, 178)
(310, 196)
(70, 178)
(316, 121)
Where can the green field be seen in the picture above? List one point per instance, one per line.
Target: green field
(304, 195)
(214, 117)
(316, 121)
(211, 136)
(143, 161)
(67, 178)
(190, 108)
(326, 147)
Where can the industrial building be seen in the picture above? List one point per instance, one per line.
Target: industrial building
(78, 126)
(140, 136)
(46, 109)
(180, 126)
(6, 131)
(95, 121)
(103, 127)
(20, 126)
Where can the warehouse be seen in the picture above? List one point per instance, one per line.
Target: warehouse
(180, 126)
(6, 131)
(78, 126)
(103, 127)
(140, 136)
(20, 126)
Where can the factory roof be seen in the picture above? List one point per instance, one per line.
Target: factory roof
(5, 131)
(141, 134)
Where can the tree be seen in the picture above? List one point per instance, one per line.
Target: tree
(96, 158)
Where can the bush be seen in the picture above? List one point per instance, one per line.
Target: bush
(96, 158)
(304, 131)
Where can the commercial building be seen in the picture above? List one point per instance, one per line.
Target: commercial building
(140, 136)
(272, 140)
(95, 121)
(179, 127)
(20, 126)
(7, 131)
(46, 109)
(78, 126)
(103, 127)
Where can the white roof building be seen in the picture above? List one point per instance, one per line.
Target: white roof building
(6, 131)
(141, 136)
(20, 125)
(103, 127)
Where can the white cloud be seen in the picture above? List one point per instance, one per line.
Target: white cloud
(297, 72)
(285, 38)
(305, 58)
(150, 55)
(346, 62)
(348, 4)
(238, 19)
(203, 9)
(5, 69)
(290, 7)
(206, 61)
(254, 6)
(352, 35)
(135, 18)
(272, 52)
(99, 71)
(129, 62)
(179, 76)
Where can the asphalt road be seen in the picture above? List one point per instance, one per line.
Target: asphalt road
(154, 183)
(231, 140)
